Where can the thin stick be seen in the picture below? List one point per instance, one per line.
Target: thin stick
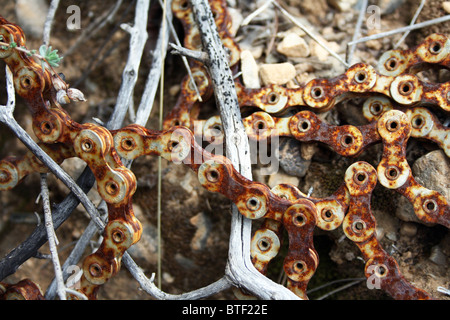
(161, 118)
(413, 20)
(340, 289)
(255, 13)
(52, 238)
(309, 33)
(184, 59)
(193, 54)
(334, 282)
(49, 21)
(77, 252)
(400, 30)
(239, 269)
(151, 85)
(148, 286)
(138, 38)
(357, 32)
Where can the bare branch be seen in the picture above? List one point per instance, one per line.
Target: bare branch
(240, 269)
(49, 21)
(52, 237)
(138, 38)
(196, 55)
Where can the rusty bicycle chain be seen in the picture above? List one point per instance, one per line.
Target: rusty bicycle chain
(283, 206)
(321, 95)
(62, 138)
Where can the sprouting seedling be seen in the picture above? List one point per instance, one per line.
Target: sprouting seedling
(46, 55)
(50, 56)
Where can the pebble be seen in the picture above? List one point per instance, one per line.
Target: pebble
(250, 70)
(276, 73)
(437, 256)
(408, 229)
(236, 20)
(293, 45)
(319, 52)
(433, 172)
(291, 157)
(280, 177)
(343, 5)
(203, 225)
(446, 6)
(31, 15)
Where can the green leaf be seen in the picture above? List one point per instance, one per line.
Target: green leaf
(51, 56)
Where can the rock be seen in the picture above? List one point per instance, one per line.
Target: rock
(167, 277)
(321, 53)
(276, 73)
(250, 70)
(433, 172)
(304, 67)
(280, 177)
(186, 263)
(236, 20)
(256, 51)
(342, 5)
(293, 45)
(31, 15)
(203, 224)
(292, 159)
(437, 256)
(446, 6)
(408, 229)
(298, 31)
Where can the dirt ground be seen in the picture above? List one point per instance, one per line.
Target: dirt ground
(196, 223)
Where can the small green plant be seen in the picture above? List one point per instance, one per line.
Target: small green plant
(50, 56)
(46, 55)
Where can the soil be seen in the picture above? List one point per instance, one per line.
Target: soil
(195, 223)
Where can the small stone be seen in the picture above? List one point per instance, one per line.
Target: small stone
(446, 6)
(295, 30)
(350, 256)
(343, 5)
(277, 73)
(320, 52)
(250, 70)
(433, 172)
(308, 150)
(293, 46)
(437, 256)
(279, 178)
(174, 90)
(407, 255)
(304, 67)
(201, 221)
(236, 20)
(408, 229)
(256, 51)
(31, 15)
(291, 157)
(167, 277)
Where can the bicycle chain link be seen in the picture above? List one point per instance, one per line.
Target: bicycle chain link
(393, 108)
